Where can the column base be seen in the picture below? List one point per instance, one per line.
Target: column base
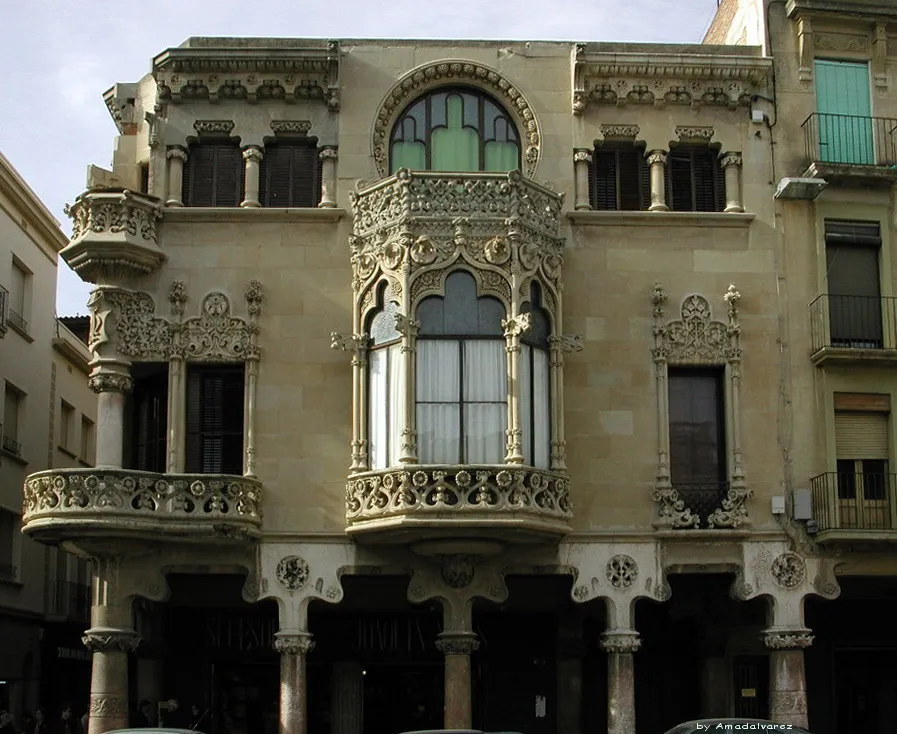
(658, 208)
(734, 209)
(583, 208)
(250, 204)
(327, 205)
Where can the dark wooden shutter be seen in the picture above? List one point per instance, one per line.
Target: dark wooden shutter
(694, 180)
(290, 175)
(634, 186)
(679, 181)
(605, 165)
(709, 186)
(697, 435)
(150, 423)
(214, 175)
(215, 420)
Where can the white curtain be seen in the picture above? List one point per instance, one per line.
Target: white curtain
(438, 402)
(485, 402)
(534, 415)
(396, 402)
(378, 408)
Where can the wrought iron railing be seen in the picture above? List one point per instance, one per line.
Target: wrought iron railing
(4, 308)
(69, 599)
(853, 322)
(851, 139)
(15, 319)
(12, 446)
(703, 499)
(853, 501)
(8, 572)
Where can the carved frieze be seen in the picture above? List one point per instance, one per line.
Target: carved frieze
(455, 72)
(658, 79)
(211, 74)
(128, 319)
(102, 639)
(290, 127)
(213, 127)
(843, 42)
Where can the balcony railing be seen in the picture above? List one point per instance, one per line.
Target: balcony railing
(69, 599)
(459, 498)
(85, 503)
(16, 320)
(853, 323)
(853, 501)
(8, 572)
(10, 445)
(851, 140)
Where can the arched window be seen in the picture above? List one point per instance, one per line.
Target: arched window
(455, 129)
(462, 384)
(535, 420)
(386, 388)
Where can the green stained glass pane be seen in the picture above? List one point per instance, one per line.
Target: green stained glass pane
(409, 155)
(455, 147)
(501, 157)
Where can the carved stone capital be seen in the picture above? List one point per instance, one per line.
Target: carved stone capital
(730, 159)
(785, 639)
(348, 343)
(619, 132)
(290, 127)
(111, 382)
(214, 127)
(176, 152)
(517, 326)
(298, 643)
(110, 639)
(253, 153)
(328, 154)
(457, 643)
(689, 133)
(582, 156)
(656, 157)
(620, 641)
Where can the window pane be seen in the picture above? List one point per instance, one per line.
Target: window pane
(377, 408)
(542, 419)
(526, 401)
(485, 438)
(439, 433)
(396, 401)
(501, 157)
(438, 376)
(409, 155)
(455, 147)
(485, 373)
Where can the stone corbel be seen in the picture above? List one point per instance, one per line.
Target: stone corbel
(880, 56)
(805, 49)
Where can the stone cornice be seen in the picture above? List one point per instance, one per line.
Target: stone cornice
(874, 9)
(29, 206)
(607, 77)
(250, 73)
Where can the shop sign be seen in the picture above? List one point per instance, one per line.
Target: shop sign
(72, 653)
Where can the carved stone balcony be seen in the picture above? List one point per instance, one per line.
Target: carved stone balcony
(114, 234)
(77, 505)
(500, 502)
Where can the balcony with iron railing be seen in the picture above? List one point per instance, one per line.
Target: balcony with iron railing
(853, 506)
(851, 147)
(11, 446)
(87, 505)
(17, 321)
(4, 309)
(70, 600)
(853, 330)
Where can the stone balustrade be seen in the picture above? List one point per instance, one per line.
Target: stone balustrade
(63, 503)
(517, 498)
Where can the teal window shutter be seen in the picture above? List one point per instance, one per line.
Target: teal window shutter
(845, 112)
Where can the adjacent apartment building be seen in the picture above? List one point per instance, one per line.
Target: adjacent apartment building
(47, 421)
(463, 383)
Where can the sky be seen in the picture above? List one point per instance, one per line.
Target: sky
(61, 55)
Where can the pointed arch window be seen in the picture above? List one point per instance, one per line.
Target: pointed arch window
(458, 130)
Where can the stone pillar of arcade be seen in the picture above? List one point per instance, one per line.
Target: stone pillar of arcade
(293, 648)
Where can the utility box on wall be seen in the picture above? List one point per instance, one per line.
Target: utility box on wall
(803, 504)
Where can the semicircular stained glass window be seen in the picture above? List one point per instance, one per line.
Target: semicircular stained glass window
(457, 130)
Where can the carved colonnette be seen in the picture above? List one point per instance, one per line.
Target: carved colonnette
(611, 77)
(696, 339)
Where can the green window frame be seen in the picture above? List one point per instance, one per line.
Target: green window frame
(455, 129)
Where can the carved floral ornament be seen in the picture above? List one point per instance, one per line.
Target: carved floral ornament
(292, 572)
(128, 320)
(695, 338)
(657, 79)
(789, 570)
(453, 72)
(621, 571)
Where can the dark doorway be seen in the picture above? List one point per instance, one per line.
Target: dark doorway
(866, 691)
(401, 698)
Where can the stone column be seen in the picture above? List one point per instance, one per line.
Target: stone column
(109, 677)
(457, 647)
(252, 155)
(293, 647)
(582, 160)
(177, 156)
(111, 383)
(620, 646)
(347, 691)
(731, 165)
(328, 158)
(787, 677)
(657, 161)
